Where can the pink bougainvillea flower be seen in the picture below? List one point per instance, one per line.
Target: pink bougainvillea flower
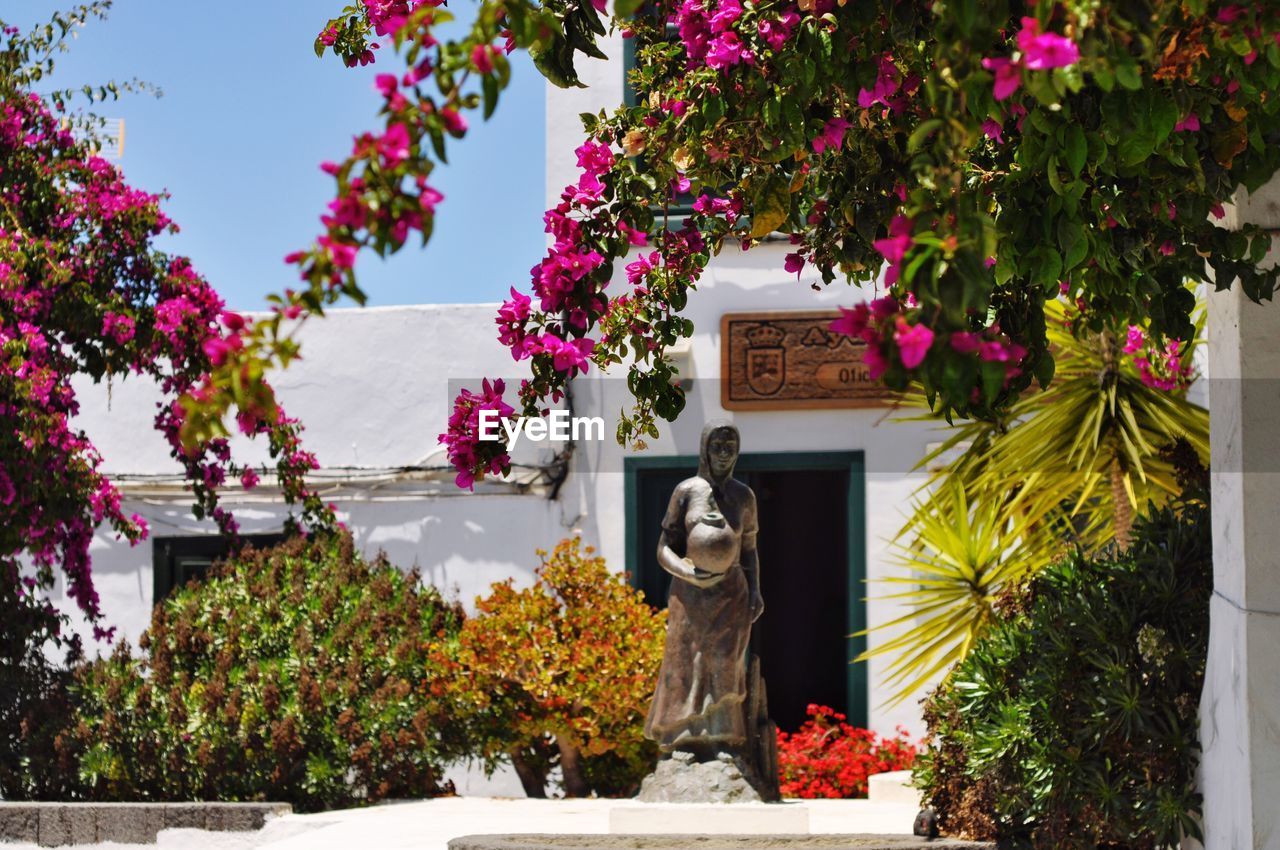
(794, 263)
(482, 58)
(883, 308)
(638, 270)
(965, 342)
(394, 145)
(1191, 123)
(1229, 14)
(888, 79)
(453, 121)
(1008, 76)
(854, 322)
(993, 130)
(568, 356)
(386, 84)
(726, 50)
(899, 241)
(1218, 211)
(1136, 340)
(913, 342)
(876, 363)
(1167, 248)
(1001, 352)
(1045, 50)
(832, 135)
(726, 14)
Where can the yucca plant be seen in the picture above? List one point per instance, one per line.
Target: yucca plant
(1067, 469)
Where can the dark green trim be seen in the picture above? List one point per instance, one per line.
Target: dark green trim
(855, 542)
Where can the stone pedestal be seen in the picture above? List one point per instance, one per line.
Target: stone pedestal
(1240, 707)
(681, 779)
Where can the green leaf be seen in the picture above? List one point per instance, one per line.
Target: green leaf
(489, 86)
(1077, 149)
(1048, 269)
(922, 132)
(1129, 76)
(626, 8)
(771, 205)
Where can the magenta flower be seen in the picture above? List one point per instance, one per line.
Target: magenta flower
(1008, 76)
(913, 342)
(854, 322)
(482, 58)
(1043, 51)
(794, 263)
(883, 308)
(888, 79)
(876, 364)
(993, 130)
(639, 270)
(1191, 123)
(832, 135)
(726, 50)
(568, 356)
(899, 241)
(1167, 248)
(453, 121)
(726, 14)
(1001, 352)
(965, 342)
(394, 145)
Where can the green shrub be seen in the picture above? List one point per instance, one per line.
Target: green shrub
(1072, 722)
(294, 673)
(33, 690)
(561, 674)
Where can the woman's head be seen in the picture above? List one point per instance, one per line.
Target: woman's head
(719, 451)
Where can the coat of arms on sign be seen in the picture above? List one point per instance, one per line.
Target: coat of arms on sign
(766, 359)
(788, 360)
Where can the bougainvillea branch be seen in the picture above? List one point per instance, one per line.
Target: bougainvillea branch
(84, 291)
(971, 160)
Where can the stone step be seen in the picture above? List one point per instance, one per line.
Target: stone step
(700, 841)
(892, 787)
(723, 819)
(56, 824)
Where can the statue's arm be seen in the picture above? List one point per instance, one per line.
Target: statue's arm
(671, 545)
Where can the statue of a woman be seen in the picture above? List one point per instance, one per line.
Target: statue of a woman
(708, 544)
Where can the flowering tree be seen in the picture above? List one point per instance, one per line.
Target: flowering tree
(980, 158)
(84, 291)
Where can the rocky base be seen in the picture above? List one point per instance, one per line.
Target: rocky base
(682, 779)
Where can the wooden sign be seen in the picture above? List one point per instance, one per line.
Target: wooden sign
(791, 361)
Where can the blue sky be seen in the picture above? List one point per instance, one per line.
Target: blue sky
(249, 112)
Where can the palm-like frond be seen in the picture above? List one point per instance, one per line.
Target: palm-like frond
(1053, 475)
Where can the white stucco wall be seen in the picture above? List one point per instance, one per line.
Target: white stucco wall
(373, 390)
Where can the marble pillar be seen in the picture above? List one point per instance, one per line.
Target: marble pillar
(1240, 706)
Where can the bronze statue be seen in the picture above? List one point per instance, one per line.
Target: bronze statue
(709, 703)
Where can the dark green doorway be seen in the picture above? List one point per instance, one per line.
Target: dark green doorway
(812, 567)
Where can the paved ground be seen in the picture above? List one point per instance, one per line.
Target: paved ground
(428, 825)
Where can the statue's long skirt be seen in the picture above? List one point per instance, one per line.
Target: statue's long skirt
(703, 681)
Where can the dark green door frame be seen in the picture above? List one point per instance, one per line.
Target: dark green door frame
(855, 530)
